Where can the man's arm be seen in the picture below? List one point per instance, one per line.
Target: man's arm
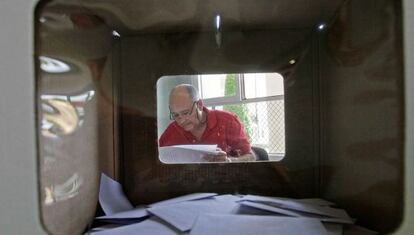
(223, 157)
(248, 157)
(237, 139)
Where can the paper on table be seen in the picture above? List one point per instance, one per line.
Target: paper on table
(112, 197)
(205, 148)
(186, 153)
(183, 215)
(153, 226)
(188, 197)
(208, 224)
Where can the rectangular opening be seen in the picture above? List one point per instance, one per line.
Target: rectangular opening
(257, 99)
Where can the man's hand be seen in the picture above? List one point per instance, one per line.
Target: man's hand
(221, 156)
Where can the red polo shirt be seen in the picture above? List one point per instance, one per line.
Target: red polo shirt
(223, 128)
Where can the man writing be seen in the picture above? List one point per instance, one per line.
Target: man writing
(195, 124)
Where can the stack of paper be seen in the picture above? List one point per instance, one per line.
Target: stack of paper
(209, 213)
(186, 153)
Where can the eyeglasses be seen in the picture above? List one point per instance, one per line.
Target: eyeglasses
(183, 114)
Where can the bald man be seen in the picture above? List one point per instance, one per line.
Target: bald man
(195, 124)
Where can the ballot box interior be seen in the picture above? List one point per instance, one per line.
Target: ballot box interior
(97, 68)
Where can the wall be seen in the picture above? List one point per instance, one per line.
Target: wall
(362, 112)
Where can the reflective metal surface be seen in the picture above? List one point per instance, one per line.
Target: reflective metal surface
(73, 47)
(62, 115)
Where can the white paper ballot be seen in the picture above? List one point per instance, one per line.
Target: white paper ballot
(315, 201)
(209, 224)
(188, 197)
(112, 197)
(301, 207)
(210, 213)
(135, 213)
(312, 201)
(273, 209)
(103, 228)
(227, 197)
(294, 213)
(186, 153)
(183, 215)
(151, 226)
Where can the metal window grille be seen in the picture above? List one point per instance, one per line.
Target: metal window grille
(264, 123)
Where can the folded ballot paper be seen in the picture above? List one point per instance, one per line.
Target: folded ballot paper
(211, 214)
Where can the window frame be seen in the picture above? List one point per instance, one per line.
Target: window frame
(238, 98)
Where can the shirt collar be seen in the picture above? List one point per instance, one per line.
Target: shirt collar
(211, 118)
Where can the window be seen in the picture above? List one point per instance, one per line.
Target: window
(257, 99)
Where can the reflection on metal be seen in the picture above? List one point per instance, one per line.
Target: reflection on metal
(321, 27)
(51, 65)
(42, 19)
(48, 162)
(63, 120)
(292, 61)
(48, 196)
(61, 192)
(116, 34)
(63, 114)
(218, 31)
(218, 22)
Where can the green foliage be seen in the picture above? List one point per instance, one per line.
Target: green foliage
(230, 85)
(239, 109)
